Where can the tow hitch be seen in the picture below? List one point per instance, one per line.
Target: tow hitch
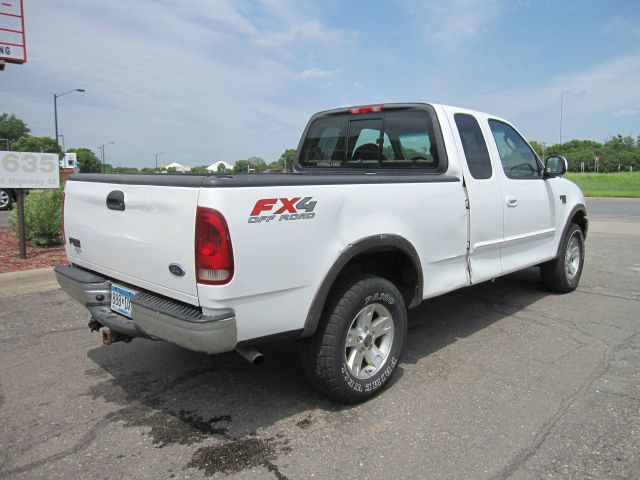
(109, 336)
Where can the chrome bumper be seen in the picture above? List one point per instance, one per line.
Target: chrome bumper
(154, 316)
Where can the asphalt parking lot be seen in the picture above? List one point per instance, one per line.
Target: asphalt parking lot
(500, 380)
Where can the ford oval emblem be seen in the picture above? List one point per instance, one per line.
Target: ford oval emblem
(176, 269)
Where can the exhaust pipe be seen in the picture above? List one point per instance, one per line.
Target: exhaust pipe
(251, 355)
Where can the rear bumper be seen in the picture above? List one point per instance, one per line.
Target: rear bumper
(154, 316)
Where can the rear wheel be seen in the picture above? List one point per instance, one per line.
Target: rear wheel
(562, 274)
(357, 346)
(6, 200)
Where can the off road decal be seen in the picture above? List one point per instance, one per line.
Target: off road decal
(282, 209)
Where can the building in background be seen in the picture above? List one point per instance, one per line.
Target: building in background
(179, 168)
(216, 167)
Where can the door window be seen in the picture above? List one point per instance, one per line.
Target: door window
(517, 158)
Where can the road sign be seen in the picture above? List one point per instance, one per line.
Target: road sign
(13, 45)
(29, 170)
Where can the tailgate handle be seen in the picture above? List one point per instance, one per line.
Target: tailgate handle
(115, 200)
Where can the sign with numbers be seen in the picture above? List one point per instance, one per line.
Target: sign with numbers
(29, 170)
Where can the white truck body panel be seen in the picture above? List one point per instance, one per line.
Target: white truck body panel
(137, 247)
(279, 282)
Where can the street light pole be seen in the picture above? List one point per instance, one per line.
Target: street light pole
(101, 147)
(160, 153)
(55, 108)
(561, 103)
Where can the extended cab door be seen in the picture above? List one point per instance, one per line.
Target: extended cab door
(484, 193)
(528, 202)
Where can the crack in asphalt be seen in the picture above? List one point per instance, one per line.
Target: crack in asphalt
(589, 291)
(87, 439)
(543, 433)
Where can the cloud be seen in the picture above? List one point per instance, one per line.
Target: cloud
(312, 73)
(627, 25)
(311, 31)
(194, 94)
(455, 23)
(627, 112)
(591, 94)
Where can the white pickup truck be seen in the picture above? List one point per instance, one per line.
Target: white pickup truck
(388, 205)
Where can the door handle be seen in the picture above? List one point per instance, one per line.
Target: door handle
(115, 200)
(512, 201)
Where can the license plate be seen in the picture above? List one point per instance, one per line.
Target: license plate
(121, 300)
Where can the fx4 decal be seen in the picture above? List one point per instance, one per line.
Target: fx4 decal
(284, 209)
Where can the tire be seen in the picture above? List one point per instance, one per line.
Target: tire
(6, 200)
(357, 346)
(562, 274)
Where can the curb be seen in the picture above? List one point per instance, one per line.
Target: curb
(27, 281)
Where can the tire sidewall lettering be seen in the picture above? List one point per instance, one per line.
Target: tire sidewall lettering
(380, 298)
(370, 384)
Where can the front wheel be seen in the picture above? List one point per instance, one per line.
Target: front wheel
(357, 346)
(562, 274)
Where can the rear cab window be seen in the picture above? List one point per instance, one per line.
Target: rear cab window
(394, 138)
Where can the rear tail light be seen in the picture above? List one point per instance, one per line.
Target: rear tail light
(64, 238)
(367, 109)
(214, 255)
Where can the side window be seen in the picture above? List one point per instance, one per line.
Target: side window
(517, 158)
(324, 144)
(409, 141)
(475, 148)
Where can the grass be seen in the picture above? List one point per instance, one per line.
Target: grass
(624, 184)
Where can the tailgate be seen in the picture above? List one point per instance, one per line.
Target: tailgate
(136, 242)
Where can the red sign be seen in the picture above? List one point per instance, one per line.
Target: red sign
(597, 158)
(13, 45)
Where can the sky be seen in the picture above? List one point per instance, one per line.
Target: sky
(208, 80)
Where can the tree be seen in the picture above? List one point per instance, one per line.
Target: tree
(88, 162)
(255, 164)
(12, 129)
(241, 166)
(538, 147)
(285, 162)
(125, 170)
(258, 164)
(199, 169)
(222, 168)
(36, 144)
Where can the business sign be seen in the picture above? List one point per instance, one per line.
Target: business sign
(69, 161)
(13, 45)
(29, 170)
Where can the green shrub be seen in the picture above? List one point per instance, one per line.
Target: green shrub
(42, 217)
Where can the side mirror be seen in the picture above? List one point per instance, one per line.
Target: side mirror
(555, 167)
